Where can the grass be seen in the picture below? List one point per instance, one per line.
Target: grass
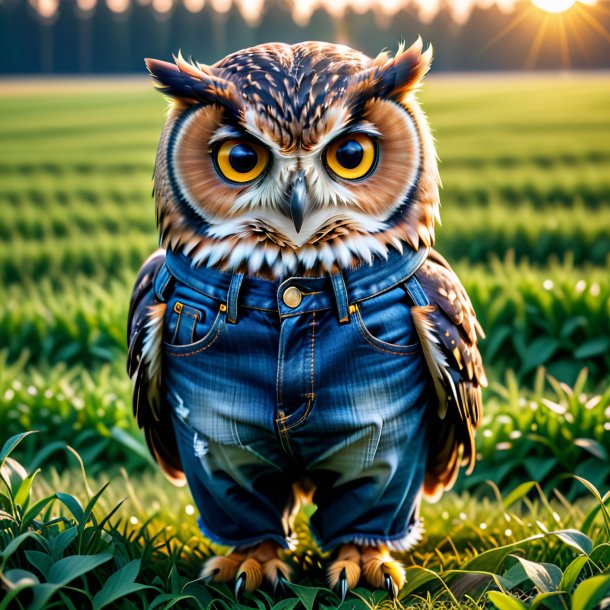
(83, 547)
(525, 213)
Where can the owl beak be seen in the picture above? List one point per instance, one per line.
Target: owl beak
(298, 200)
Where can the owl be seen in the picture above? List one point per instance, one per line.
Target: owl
(296, 337)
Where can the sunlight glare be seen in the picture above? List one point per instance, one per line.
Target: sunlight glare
(554, 6)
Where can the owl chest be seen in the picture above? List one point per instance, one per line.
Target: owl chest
(292, 379)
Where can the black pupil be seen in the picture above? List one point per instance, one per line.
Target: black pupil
(349, 154)
(243, 158)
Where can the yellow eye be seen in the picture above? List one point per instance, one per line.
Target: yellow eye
(352, 156)
(240, 160)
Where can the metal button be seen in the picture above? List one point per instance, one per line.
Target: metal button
(292, 297)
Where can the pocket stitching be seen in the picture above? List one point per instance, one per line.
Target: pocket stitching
(379, 344)
(204, 343)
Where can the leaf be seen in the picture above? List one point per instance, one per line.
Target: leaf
(60, 543)
(14, 544)
(593, 447)
(601, 554)
(69, 568)
(593, 490)
(572, 572)
(72, 504)
(119, 584)
(41, 561)
(18, 576)
(492, 559)
(551, 601)
(415, 579)
(11, 443)
(572, 324)
(577, 540)
(517, 494)
(501, 601)
(173, 599)
(495, 341)
(593, 347)
(590, 592)
(23, 493)
(129, 442)
(538, 352)
(287, 604)
(33, 511)
(545, 576)
(5, 602)
(307, 595)
(41, 594)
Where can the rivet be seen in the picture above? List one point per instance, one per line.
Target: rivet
(292, 297)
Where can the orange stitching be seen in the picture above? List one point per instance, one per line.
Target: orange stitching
(199, 350)
(313, 352)
(303, 417)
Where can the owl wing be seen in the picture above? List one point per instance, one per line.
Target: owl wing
(448, 330)
(145, 335)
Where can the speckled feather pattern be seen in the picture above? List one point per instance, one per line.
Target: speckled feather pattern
(296, 99)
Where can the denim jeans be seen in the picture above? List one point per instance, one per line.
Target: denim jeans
(321, 378)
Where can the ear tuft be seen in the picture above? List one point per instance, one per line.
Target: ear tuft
(192, 82)
(402, 74)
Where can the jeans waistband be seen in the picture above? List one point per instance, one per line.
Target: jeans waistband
(340, 290)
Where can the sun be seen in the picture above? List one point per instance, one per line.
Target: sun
(554, 6)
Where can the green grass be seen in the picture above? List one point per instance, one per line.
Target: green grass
(525, 165)
(74, 540)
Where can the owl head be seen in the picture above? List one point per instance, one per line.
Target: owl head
(284, 159)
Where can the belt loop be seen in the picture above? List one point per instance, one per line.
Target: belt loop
(232, 296)
(340, 296)
(162, 283)
(416, 292)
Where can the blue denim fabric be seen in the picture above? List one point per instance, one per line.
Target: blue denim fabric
(264, 393)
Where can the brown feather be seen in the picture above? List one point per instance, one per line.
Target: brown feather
(448, 332)
(143, 366)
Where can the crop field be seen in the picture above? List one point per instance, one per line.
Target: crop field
(88, 521)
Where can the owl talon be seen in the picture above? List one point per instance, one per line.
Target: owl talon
(342, 585)
(279, 586)
(382, 571)
(240, 586)
(344, 572)
(389, 586)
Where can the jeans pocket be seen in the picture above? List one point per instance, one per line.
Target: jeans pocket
(385, 322)
(190, 327)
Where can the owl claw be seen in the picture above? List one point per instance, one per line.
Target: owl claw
(279, 586)
(248, 569)
(382, 571)
(240, 586)
(342, 584)
(389, 586)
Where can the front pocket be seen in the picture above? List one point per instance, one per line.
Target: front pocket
(190, 328)
(385, 322)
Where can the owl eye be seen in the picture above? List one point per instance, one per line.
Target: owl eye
(352, 157)
(240, 160)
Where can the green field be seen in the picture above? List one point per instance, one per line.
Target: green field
(525, 163)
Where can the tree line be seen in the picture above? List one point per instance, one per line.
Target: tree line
(103, 41)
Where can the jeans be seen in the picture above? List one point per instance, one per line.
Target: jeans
(323, 378)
